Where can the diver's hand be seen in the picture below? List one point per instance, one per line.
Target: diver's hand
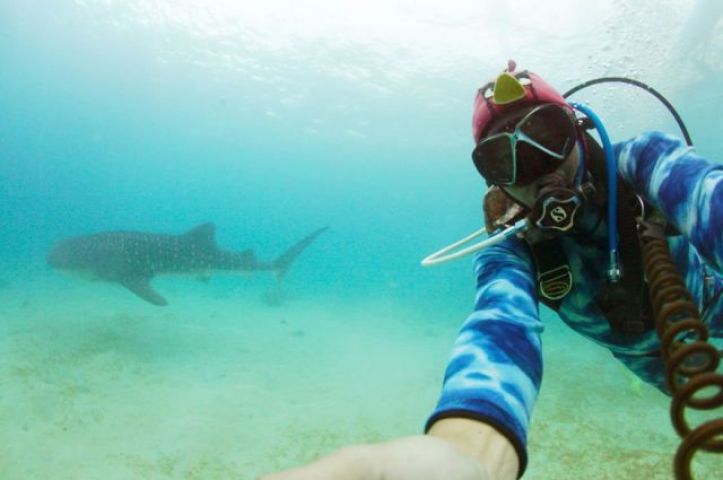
(420, 457)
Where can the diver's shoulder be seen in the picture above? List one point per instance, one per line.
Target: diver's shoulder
(652, 137)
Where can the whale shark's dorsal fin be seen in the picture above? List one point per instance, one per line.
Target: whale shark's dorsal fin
(203, 234)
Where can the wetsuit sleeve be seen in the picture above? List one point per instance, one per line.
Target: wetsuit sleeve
(495, 370)
(686, 188)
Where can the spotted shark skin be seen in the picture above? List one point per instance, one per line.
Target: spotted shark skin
(132, 259)
(495, 371)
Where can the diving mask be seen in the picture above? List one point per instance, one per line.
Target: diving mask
(536, 146)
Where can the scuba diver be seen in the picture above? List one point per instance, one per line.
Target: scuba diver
(570, 222)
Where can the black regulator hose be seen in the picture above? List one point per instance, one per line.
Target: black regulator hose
(645, 87)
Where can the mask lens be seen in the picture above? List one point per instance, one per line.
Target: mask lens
(552, 127)
(494, 159)
(533, 163)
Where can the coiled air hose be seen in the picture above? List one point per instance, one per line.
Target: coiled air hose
(691, 361)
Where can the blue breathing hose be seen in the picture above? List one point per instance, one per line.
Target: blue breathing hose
(612, 169)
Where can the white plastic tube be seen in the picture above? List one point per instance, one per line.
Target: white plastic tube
(444, 255)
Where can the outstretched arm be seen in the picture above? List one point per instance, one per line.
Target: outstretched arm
(495, 370)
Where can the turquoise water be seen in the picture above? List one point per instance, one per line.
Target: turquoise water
(272, 120)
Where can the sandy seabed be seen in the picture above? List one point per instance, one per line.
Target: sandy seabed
(95, 384)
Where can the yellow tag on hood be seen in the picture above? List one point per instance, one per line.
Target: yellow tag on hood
(507, 89)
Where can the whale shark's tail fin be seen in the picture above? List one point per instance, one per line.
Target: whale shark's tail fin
(281, 265)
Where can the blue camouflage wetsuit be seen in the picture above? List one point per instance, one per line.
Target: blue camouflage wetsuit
(495, 370)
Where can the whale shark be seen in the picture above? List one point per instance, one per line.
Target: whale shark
(132, 258)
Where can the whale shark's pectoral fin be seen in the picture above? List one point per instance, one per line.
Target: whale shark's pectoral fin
(141, 287)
